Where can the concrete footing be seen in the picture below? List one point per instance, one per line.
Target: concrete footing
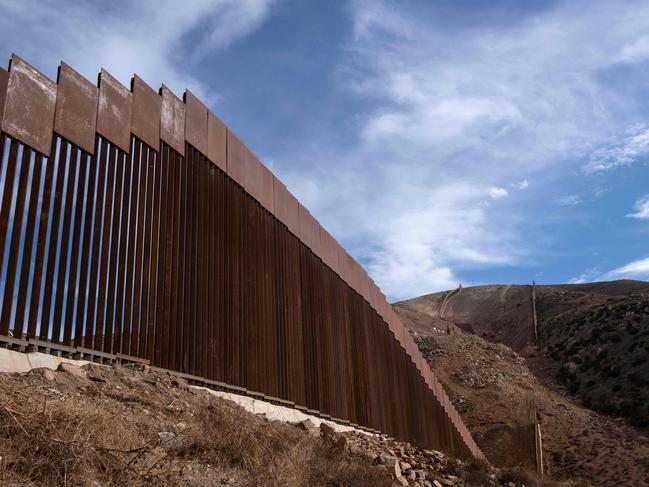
(17, 362)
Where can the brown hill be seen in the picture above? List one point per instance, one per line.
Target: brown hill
(490, 383)
(503, 313)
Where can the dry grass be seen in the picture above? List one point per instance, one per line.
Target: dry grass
(97, 438)
(60, 443)
(273, 453)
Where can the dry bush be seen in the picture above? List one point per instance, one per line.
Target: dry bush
(62, 443)
(80, 433)
(273, 453)
(477, 473)
(527, 477)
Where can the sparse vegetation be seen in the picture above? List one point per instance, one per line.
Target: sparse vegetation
(120, 429)
(608, 342)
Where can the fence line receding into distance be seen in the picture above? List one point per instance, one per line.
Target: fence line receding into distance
(133, 222)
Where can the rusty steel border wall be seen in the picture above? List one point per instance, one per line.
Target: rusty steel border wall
(136, 223)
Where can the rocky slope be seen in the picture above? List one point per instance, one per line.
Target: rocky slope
(492, 385)
(108, 426)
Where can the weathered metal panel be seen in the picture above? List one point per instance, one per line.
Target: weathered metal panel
(258, 181)
(267, 197)
(195, 122)
(286, 207)
(216, 141)
(187, 269)
(4, 79)
(172, 120)
(309, 230)
(329, 250)
(29, 106)
(76, 108)
(114, 111)
(145, 119)
(366, 287)
(353, 273)
(358, 279)
(399, 330)
(383, 305)
(374, 297)
(237, 156)
(344, 263)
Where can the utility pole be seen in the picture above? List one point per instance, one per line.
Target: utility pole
(534, 318)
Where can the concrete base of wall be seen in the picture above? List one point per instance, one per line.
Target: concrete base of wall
(273, 412)
(16, 362)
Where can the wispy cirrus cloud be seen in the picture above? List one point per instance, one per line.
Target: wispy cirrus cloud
(638, 269)
(641, 209)
(570, 200)
(160, 40)
(524, 184)
(623, 151)
(636, 51)
(470, 106)
(497, 193)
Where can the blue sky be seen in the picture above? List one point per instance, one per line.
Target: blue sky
(439, 141)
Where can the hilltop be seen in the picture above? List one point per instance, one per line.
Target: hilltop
(592, 340)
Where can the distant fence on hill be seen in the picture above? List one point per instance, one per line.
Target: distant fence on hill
(134, 223)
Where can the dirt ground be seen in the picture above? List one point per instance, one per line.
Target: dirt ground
(489, 383)
(109, 426)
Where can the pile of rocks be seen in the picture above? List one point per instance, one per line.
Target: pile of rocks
(411, 466)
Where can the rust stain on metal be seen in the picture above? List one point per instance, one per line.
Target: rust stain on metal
(145, 118)
(216, 141)
(114, 111)
(76, 108)
(172, 120)
(195, 122)
(29, 106)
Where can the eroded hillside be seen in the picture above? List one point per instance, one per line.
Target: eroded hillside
(105, 426)
(490, 384)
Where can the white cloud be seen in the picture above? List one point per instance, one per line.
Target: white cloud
(497, 193)
(144, 37)
(636, 51)
(621, 152)
(457, 109)
(588, 276)
(641, 209)
(577, 280)
(419, 247)
(638, 269)
(524, 184)
(570, 200)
